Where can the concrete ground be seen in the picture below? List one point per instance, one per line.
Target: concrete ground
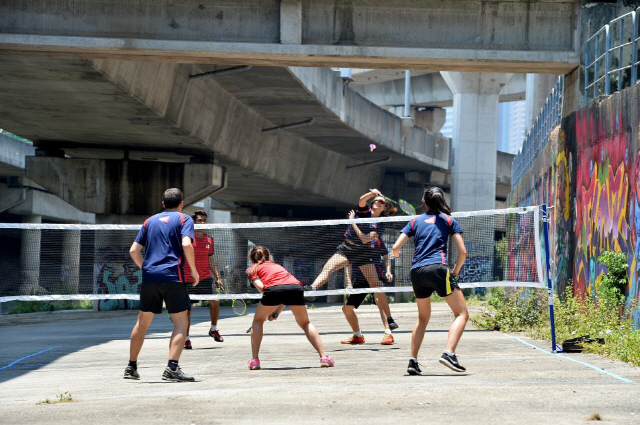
(508, 380)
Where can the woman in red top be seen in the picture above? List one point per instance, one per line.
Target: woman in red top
(279, 289)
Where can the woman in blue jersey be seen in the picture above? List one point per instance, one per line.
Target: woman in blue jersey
(429, 272)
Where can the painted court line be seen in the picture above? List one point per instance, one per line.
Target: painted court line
(596, 368)
(26, 357)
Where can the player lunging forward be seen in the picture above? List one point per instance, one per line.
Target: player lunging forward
(429, 272)
(278, 288)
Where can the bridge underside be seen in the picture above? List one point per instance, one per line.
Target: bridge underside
(463, 35)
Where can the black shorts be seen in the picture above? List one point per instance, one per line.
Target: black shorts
(432, 277)
(283, 294)
(204, 287)
(358, 255)
(356, 299)
(174, 295)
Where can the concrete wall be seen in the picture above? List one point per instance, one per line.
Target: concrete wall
(589, 172)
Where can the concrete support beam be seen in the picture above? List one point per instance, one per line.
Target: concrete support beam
(123, 187)
(291, 21)
(462, 35)
(538, 88)
(429, 90)
(12, 154)
(473, 170)
(46, 205)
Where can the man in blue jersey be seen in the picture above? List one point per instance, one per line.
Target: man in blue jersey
(166, 239)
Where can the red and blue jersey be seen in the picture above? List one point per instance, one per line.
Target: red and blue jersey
(202, 250)
(431, 233)
(161, 235)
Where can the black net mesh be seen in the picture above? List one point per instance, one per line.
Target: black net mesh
(92, 262)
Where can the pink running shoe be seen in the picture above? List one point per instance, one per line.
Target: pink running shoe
(326, 362)
(254, 364)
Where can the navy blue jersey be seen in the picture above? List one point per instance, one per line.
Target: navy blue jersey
(366, 228)
(350, 234)
(161, 235)
(431, 232)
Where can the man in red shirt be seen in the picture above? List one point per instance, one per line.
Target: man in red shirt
(206, 266)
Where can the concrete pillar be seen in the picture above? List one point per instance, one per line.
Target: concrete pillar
(30, 258)
(432, 118)
(291, 21)
(475, 131)
(538, 87)
(71, 260)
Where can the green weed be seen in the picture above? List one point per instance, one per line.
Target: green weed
(65, 397)
(40, 306)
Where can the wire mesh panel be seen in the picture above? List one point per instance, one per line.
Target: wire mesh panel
(52, 262)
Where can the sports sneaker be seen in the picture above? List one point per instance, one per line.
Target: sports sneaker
(187, 345)
(451, 362)
(176, 375)
(131, 373)
(254, 364)
(392, 324)
(353, 340)
(413, 368)
(216, 336)
(326, 362)
(387, 339)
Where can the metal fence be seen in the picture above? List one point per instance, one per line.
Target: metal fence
(611, 57)
(538, 136)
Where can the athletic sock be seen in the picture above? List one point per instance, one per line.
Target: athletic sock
(133, 364)
(188, 338)
(358, 334)
(449, 353)
(388, 331)
(214, 328)
(173, 365)
(413, 358)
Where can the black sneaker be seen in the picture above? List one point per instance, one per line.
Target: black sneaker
(413, 368)
(176, 375)
(131, 373)
(392, 324)
(451, 362)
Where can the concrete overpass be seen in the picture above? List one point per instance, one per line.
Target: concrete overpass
(463, 35)
(185, 106)
(106, 130)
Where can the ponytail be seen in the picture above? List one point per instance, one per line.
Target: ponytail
(434, 200)
(259, 254)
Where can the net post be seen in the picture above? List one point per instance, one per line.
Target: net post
(545, 226)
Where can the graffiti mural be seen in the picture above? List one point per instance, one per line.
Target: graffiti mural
(589, 170)
(603, 217)
(115, 273)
